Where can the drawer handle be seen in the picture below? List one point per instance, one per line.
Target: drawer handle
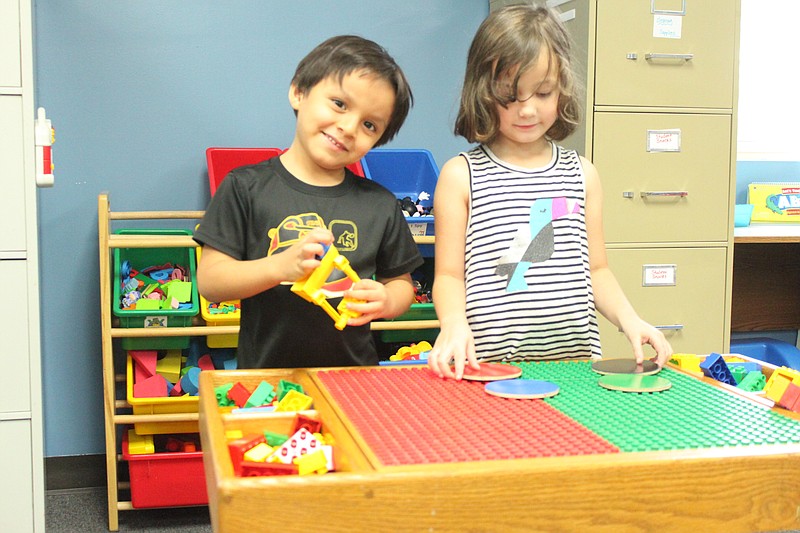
(685, 57)
(670, 327)
(664, 194)
(656, 11)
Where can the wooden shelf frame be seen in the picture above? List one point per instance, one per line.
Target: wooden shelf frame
(113, 407)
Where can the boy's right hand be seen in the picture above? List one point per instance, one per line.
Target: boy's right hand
(455, 343)
(304, 256)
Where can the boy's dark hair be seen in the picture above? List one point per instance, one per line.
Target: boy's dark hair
(345, 54)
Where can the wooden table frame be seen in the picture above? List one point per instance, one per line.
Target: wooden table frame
(748, 488)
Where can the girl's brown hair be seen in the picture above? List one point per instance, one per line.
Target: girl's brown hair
(510, 37)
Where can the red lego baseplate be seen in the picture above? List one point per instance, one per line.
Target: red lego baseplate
(409, 416)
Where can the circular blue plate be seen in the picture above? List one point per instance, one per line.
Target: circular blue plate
(522, 389)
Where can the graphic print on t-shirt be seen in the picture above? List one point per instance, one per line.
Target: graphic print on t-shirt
(294, 227)
(533, 242)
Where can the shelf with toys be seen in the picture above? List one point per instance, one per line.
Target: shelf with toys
(121, 333)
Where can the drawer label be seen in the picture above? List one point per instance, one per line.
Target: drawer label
(418, 229)
(667, 26)
(664, 140)
(659, 275)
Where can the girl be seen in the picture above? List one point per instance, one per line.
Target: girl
(520, 253)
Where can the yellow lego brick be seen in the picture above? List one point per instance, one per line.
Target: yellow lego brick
(233, 434)
(688, 361)
(258, 453)
(777, 385)
(140, 444)
(311, 463)
(294, 401)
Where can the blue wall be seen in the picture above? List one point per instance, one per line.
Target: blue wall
(138, 90)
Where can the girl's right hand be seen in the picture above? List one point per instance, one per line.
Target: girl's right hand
(455, 343)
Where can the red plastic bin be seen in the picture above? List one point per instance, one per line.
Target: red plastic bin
(167, 479)
(223, 160)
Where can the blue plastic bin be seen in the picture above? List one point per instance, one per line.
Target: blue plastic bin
(772, 351)
(404, 171)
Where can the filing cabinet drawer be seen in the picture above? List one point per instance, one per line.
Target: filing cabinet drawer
(691, 55)
(12, 174)
(666, 177)
(681, 290)
(10, 73)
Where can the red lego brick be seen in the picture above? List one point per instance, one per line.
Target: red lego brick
(302, 421)
(239, 394)
(250, 468)
(238, 447)
(790, 397)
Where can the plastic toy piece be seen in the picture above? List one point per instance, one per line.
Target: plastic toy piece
(249, 469)
(715, 367)
(790, 397)
(258, 453)
(310, 287)
(624, 366)
(239, 394)
(275, 439)
(153, 387)
(303, 421)
(687, 361)
(413, 352)
(170, 366)
(221, 393)
(310, 463)
(294, 401)
(238, 447)
(753, 381)
(263, 395)
(777, 385)
(492, 372)
(140, 444)
(301, 443)
(285, 386)
(522, 389)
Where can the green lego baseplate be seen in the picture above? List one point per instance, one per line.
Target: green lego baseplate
(691, 414)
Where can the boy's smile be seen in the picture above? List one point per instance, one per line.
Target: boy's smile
(337, 123)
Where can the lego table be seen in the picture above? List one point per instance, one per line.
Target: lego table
(417, 453)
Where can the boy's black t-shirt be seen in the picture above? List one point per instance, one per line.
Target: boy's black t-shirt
(263, 209)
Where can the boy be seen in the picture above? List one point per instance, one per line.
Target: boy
(268, 223)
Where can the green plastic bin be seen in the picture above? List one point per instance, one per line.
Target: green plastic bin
(140, 259)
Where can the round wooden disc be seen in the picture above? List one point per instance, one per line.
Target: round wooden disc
(492, 372)
(625, 366)
(522, 389)
(634, 383)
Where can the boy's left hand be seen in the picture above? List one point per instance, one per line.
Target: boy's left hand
(373, 298)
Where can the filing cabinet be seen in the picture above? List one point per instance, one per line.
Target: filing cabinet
(662, 86)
